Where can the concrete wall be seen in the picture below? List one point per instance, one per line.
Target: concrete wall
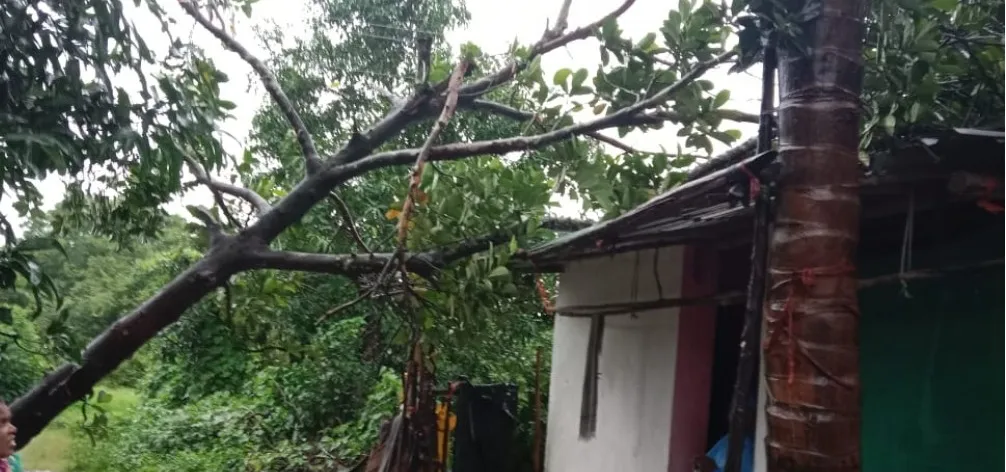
(640, 360)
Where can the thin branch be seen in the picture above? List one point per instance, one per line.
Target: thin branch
(652, 117)
(519, 115)
(260, 204)
(381, 279)
(618, 144)
(663, 61)
(347, 221)
(312, 161)
(417, 171)
(562, 20)
(456, 151)
(550, 41)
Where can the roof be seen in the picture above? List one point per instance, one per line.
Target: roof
(700, 209)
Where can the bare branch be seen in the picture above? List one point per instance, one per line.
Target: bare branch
(618, 144)
(347, 221)
(312, 161)
(456, 151)
(381, 279)
(336, 264)
(425, 263)
(417, 171)
(727, 114)
(663, 61)
(651, 117)
(562, 20)
(260, 204)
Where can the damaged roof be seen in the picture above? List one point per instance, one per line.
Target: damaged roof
(701, 210)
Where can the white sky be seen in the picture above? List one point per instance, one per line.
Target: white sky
(493, 27)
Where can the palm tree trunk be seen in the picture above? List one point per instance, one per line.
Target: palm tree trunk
(811, 348)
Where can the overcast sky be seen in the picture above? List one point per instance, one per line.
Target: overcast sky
(493, 26)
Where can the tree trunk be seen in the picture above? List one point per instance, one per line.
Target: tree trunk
(812, 318)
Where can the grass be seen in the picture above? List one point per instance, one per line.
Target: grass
(50, 450)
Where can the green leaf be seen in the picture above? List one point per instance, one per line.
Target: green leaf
(647, 43)
(660, 162)
(579, 77)
(684, 7)
(599, 108)
(913, 112)
(104, 397)
(534, 68)
(6, 316)
(560, 78)
(721, 98)
(40, 244)
(500, 273)
(945, 5)
(890, 122)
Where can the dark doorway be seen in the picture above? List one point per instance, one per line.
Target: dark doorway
(729, 323)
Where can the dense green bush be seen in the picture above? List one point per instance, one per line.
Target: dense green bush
(20, 366)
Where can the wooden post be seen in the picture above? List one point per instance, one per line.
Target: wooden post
(741, 411)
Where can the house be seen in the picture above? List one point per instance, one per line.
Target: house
(670, 277)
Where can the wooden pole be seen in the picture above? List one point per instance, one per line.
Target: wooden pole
(741, 412)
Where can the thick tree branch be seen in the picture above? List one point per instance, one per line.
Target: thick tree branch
(260, 204)
(336, 264)
(424, 263)
(312, 161)
(119, 342)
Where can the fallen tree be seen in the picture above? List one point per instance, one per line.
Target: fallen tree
(247, 247)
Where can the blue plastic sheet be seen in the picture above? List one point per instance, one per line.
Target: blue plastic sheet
(718, 454)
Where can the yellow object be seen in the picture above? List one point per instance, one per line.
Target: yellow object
(445, 425)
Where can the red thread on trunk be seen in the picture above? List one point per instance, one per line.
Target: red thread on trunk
(800, 279)
(754, 185)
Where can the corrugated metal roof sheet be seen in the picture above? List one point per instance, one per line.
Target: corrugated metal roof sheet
(667, 219)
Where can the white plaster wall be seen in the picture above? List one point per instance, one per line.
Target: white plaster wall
(761, 427)
(637, 362)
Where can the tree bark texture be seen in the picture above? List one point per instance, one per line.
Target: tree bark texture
(811, 347)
